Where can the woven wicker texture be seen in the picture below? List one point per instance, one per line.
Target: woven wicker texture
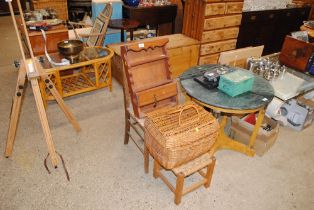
(194, 165)
(178, 134)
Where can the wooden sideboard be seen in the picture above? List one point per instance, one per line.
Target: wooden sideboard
(151, 15)
(54, 35)
(269, 27)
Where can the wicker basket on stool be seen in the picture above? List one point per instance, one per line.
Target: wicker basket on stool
(179, 138)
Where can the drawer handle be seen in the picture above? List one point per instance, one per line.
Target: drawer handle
(253, 17)
(288, 14)
(271, 16)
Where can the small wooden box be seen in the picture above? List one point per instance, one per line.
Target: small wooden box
(183, 53)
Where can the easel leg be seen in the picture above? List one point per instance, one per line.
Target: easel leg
(15, 112)
(49, 84)
(44, 121)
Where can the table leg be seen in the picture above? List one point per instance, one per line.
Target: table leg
(173, 26)
(131, 34)
(122, 35)
(258, 124)
(224, 142)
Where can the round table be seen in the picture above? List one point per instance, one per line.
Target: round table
(254, 101)
(124, 24)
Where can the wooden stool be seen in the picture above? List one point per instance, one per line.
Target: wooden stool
(185, 170)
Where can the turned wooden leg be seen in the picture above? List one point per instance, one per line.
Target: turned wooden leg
(209, 174)
(146, 159)
(156, 169)
(179, 189)
(127, 127)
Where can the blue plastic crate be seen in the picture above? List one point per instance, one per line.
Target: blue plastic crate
(99, 5)
(236, 82)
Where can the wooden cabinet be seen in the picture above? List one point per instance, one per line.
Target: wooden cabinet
(215, 23)
(54, 35)
(269, 27)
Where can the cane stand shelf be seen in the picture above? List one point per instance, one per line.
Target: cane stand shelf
(92, 72)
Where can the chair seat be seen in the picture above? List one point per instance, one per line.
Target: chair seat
(193, 165)
(138, 120)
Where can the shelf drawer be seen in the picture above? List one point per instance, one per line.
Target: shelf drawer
(220, 34)
(209, 59)
(234, 8)
(215, 9)
(218, 47)
(222, 22)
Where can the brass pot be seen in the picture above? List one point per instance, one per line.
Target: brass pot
(70, 49)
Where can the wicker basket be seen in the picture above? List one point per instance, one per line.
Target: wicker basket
(176, 135)
(60, 6)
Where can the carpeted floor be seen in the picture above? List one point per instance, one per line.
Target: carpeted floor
(105, 174)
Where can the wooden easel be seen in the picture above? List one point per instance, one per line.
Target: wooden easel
(32, 69)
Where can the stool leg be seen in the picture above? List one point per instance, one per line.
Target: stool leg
(179, 189)
(156, 169)
(209, 174)
(146, 159)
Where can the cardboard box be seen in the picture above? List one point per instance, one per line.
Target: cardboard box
(242, 132)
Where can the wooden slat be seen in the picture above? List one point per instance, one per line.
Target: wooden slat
(44, 122)
(194, 186)
(15, 110)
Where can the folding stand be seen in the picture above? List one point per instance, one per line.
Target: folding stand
(32, 69)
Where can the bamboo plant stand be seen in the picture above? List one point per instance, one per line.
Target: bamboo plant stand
(87, 75)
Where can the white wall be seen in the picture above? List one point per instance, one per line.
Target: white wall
(264, 4)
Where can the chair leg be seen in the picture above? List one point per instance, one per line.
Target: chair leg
(156, 169)
(127, 127)
(146, 159)
(209, 174)
(179, 189)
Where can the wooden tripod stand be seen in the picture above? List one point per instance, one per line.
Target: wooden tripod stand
(30, 69)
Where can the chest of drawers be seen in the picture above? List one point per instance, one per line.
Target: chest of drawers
(215, 23)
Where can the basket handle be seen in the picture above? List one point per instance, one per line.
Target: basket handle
(188, 107)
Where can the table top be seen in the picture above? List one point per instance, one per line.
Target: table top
(89, 55)
(261, 94)
(123, 24)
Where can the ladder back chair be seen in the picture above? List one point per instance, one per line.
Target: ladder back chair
(147, 86)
